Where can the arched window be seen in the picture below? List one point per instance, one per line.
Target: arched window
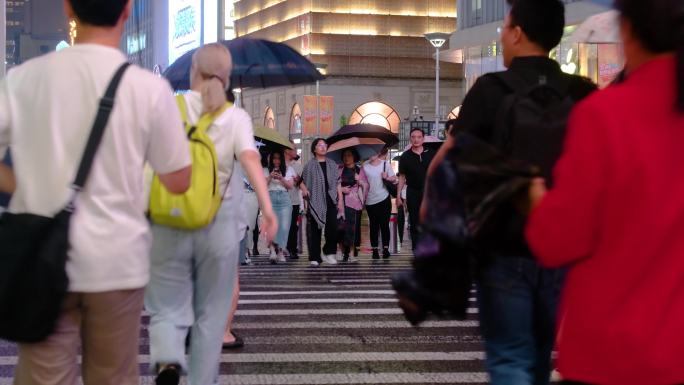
(454, 113)
(296, 127)
(378, 113)
(295, 120)
(269, 119)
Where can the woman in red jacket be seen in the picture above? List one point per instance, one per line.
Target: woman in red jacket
(616, 213)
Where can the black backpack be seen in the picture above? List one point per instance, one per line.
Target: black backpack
(532, 115)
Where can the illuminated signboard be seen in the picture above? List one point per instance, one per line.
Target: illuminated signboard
(185, 27)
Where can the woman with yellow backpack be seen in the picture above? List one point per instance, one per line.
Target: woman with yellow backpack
(196, 242)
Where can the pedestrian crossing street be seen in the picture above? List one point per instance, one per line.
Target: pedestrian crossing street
(331, 325)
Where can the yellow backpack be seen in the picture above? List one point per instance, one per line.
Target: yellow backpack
(197, 207)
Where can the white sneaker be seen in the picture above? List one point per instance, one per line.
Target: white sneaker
(280, 258)
(339, 257)
(313, 264)
(329, 259)
(353, 259)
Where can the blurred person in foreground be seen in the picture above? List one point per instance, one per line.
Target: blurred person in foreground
(108, 264)
(522, 113)
(615, 214)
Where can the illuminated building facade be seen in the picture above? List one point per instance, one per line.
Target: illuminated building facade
(476, 42)
(379, 66)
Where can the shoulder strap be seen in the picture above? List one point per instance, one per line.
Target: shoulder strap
(97, 131)
(183, 108)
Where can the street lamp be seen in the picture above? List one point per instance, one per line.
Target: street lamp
(437, 39)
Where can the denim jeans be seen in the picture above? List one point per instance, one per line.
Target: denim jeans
(192, 279)
(518, 301)
(282, 207)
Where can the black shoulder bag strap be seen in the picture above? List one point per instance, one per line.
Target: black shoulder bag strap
(97, 132)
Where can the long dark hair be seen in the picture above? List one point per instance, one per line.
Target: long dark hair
(659, 26)
(282, 168)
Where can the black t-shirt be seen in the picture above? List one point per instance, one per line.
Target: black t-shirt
(414, 167)
(324, 167)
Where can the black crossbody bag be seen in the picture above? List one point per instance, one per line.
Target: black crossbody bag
(34, 251)
(391, 187)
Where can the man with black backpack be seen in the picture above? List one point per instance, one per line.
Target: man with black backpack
(523, 113)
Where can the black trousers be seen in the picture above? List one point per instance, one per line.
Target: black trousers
(401, 222)
(378, 218)
(255, 236)
(357, 234)
(294, 228)
(314, 233)
(413, 200)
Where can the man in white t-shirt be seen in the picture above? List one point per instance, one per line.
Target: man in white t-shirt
(47, 107)
(296, 197)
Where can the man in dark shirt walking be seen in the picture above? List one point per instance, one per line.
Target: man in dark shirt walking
(517, 297)
(413, 166)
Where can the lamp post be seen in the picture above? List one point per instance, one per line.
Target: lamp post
(437, 39)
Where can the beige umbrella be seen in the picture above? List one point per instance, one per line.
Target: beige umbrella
(269, 137)
(365, 147)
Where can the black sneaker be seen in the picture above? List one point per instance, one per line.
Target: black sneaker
(376, 254)
(345, 257)
(168, 374)
(385, 254)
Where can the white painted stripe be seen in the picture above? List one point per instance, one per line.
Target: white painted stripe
(323, 357)
(359, 280)
(304, 287)
(312, 292)
(318, 300)
(352, 325)
(281, 312)
(334, 378)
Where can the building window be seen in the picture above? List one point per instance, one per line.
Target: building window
(377, 113)
(269, 119)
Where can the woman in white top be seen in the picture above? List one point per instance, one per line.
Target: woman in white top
(378, 202)
(280, 179)
(194, 273)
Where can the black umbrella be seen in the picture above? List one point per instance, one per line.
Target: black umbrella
(364, 131)
(256, 63)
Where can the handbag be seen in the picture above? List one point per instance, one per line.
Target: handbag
(391, 187)
(34, 250)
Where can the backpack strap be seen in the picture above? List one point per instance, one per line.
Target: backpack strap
(206, 120)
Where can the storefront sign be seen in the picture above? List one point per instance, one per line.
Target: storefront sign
(327, 110)
(185, 27)
(310, 109)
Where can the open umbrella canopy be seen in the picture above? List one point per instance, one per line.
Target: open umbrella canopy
(269, 139)
(430, 142)
(364, 131)
(256, 63)
(365, 147)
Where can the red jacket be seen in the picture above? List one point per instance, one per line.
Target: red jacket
(616, 218)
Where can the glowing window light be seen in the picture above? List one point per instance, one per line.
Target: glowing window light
(378, 113)
(269, 118)
(454, 113)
